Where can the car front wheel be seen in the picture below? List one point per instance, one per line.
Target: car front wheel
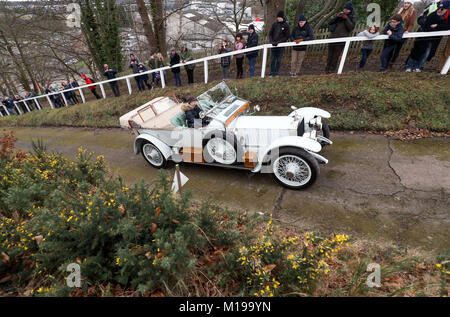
(294, 168)
(153, 155)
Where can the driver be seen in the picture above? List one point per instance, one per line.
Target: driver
(192, 111)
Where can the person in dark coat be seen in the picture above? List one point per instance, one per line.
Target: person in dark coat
(144, 78)
(425, 48)
(192, 111)
(301, 32)
(134, 65)
(110, 73)
(30, 103)
(252, 41)
(341, 26)
(175, 59)
(395, 31)
(74, 84)
(9, 104)
(279, 33)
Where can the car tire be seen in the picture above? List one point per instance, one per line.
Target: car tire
(153, 155)
(296, 162)
(222, 139)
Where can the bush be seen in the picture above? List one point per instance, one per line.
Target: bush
(140, 240)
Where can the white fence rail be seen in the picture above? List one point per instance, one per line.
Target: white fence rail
(264, 48)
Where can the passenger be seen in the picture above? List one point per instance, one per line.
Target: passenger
(192, 111)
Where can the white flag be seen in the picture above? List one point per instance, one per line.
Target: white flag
(184, 180)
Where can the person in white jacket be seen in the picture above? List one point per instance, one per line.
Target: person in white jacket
(367, 46)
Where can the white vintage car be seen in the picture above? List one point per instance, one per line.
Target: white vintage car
(230, 136)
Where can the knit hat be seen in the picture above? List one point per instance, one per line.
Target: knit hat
(251, 27)
(349, 6)
(172, 49)
(444, 5)
(280, 14)
(301, 17)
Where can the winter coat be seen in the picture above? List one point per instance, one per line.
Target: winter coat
(155, 63)
(425, 22)
(252, 41)
(75, 84)
(279, 32)
(192, 112)
(237, 47)
(368, 45)
(134, 64)
(110, 73)
(187, 56)
(141, 70)
(397, 34)
(89, 81)
(175, 59)
(305, 33)
(342, 27)
(225, 61)
(409, 17)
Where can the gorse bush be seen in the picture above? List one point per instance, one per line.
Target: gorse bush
(54, 211)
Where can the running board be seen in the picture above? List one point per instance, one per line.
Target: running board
(236, 167)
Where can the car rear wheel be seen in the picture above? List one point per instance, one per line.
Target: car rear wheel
(294, 168)
(153, 155)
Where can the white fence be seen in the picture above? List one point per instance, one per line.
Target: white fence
(264, 48)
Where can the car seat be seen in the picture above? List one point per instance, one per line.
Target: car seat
(179, 120)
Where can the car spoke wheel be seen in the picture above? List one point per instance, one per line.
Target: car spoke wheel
(294, 168)
(221, 151)
(153, 155)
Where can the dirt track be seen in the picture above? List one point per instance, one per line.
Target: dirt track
(373, 187)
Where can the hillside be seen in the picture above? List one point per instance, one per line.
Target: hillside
(357, 101)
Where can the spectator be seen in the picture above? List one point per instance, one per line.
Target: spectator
(225, 62)
(68, 94)
(74, 84)
(154, 63)
(239, 45)
(186, 56)
(409, 15)
(30, 103)
(134, 65)
(340, 26)
(252, 41)
(22, 104)
(110, 73)
(160, 61)
(72, 95)
(367, 46)
(279, 33)
(175, 59)
(301, 32)
(394, 30)
(90, 81)
(424, 49)
(144, 78)
(49, 90)
(58, 99)
(9, 104)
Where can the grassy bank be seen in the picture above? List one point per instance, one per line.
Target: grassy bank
(357, 101)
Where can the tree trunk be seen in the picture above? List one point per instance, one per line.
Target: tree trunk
(271, 8)
(300, 10)
(337, 7)
(159, 24)
(147, 25)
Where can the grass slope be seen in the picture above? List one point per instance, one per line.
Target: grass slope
(357, 101)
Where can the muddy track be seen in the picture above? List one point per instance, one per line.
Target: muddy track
(373, 187)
